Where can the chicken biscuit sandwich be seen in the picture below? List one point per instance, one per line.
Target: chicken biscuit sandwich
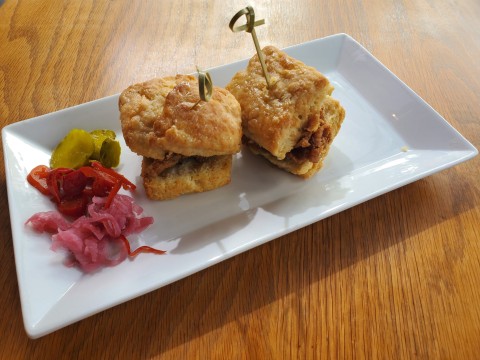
(186, 144)
(293, 122)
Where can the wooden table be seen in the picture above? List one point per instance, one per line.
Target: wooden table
(396, 277)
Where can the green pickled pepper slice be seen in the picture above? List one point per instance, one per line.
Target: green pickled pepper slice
(110, 153)
(107, 149)
(106, 133)
(99, 136)
(74, 150)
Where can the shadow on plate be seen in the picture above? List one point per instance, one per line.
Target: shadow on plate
(270, 189)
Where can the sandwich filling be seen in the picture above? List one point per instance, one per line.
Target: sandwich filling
(309, 148)
(315, 139)
(156, 167)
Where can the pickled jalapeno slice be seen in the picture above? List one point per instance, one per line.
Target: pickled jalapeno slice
(73, 151)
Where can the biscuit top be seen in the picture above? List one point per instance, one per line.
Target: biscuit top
(274, 117)
(159, 116)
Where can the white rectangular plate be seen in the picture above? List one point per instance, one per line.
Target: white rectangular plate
(367, 159)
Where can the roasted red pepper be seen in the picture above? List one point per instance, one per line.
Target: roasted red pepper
(74, 207)
(38, 178)
(144, 248)
(74, 183)
(55, 182)
(126, 184)
(72, 190)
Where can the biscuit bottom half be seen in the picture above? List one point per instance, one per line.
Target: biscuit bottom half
(188, 175)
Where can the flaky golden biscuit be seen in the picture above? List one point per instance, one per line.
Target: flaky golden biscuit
(190, 174)
(293, 122)
(274, 117)
(159, 117)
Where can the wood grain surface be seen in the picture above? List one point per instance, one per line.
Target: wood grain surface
(396, 277)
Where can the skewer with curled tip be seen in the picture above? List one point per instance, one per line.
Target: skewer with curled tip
(205, 86)
(250, 28)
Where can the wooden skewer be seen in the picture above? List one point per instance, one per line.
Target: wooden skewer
(205, 86)
(250, 27)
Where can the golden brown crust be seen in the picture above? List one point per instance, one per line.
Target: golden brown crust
(159, 116)
(191, 174)
(330, 119)
(274, 117)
